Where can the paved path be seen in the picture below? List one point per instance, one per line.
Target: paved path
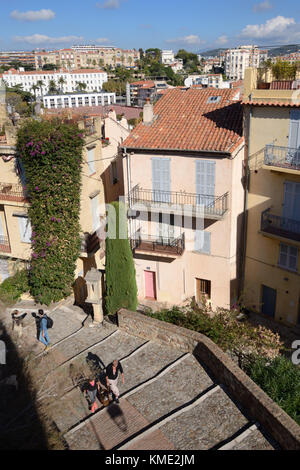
(169, 400)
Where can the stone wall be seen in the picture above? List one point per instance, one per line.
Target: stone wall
(261, 408)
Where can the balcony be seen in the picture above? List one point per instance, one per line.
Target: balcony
(276, 226)
(159, 246)
(12, 192)
(181, 203)
(284, 159)
(4, 244)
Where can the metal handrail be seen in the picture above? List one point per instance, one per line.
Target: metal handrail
(217, 205)
(279, 224)
(282, 156)
(175, 244)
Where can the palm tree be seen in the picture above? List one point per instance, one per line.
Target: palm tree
(52, 87)
(40, 85)
(61, 82)
(34, 88)
(80, 86)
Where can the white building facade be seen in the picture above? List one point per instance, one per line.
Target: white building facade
(77, 100)
(210, 80)
(237, 60)
(167, 57)
(66, 81)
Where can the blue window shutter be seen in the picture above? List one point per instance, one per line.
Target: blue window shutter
(294, 134)
(202, 241)
(161, 179)
(205, 181)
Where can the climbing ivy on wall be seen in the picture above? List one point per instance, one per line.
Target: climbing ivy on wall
(51, 153)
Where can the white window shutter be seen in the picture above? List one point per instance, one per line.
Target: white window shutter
(91, 160)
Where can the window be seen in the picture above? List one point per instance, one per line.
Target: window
(288, 257)
(214, 99)
(202, 241)
(203, 289)
(91, 160)
(25, 229)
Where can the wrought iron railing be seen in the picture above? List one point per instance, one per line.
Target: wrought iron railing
(4, 244)
(10, 191)
(283, 157)
(212, 205)
(158, 244)
(281, 226)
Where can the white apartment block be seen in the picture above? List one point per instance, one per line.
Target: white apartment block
(167, 57)
(209, 80)
(237, 60)
(77, 100)
(66, 81)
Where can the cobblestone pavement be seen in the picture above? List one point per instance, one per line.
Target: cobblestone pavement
(168, 400)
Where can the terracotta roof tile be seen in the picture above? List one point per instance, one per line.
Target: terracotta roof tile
(185, 121)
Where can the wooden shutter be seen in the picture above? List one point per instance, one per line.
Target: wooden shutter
(91, 160)
(202, 241)
(161, 180)
(294, 134)
(25, 229)
(205, 181)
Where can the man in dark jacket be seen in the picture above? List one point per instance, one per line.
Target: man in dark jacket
(112, 373)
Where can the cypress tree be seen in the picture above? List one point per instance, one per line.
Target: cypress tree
(121, 289)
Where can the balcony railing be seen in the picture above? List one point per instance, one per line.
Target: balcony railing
(282, 157)
(4, 244)
(280, 226)
(158, 245)
(213, 206)
(12, 192)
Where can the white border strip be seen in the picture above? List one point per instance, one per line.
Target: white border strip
(239, 438)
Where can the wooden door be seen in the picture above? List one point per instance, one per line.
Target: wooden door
(150, 285)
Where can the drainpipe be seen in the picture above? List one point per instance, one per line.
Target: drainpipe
(245, 221)
(128, 186)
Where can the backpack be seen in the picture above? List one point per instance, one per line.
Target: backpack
(49, 322)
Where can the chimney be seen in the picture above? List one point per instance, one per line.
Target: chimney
(148, 112)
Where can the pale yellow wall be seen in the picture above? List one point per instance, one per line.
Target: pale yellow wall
(268, 125)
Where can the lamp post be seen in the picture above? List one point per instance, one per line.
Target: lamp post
(93, 282)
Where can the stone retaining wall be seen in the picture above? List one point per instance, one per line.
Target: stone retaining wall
(261, 408)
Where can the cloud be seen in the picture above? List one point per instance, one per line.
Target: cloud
(41, 15)
(109, 4)
(263, 6)
(102, 40)
(222, 40)
(279, 29)
(192, 39)
(41, 39)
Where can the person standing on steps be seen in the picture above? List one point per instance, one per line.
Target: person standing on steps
(112, 373)
(91, 393)
(44, 337)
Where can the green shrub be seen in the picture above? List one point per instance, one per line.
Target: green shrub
(51, 154)
(13, 287)
(280, 379)
(121, 289)
(225, 330)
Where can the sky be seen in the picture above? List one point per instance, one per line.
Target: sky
(194, 25)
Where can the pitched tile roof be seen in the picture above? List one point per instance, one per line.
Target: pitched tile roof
(266, 102)
(183, 120)
(129, 112)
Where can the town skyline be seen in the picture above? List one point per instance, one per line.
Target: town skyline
(127, 24)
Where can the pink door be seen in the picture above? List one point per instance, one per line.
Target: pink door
(150, 285)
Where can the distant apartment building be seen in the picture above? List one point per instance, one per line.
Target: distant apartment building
(272, 261)
(167, 57)
(67, 81)
(7, 57)
(291, 58)
(183, 180)
(209, 80)
(242, 57)
(137, 93)
(76, 100)
(88, 57)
